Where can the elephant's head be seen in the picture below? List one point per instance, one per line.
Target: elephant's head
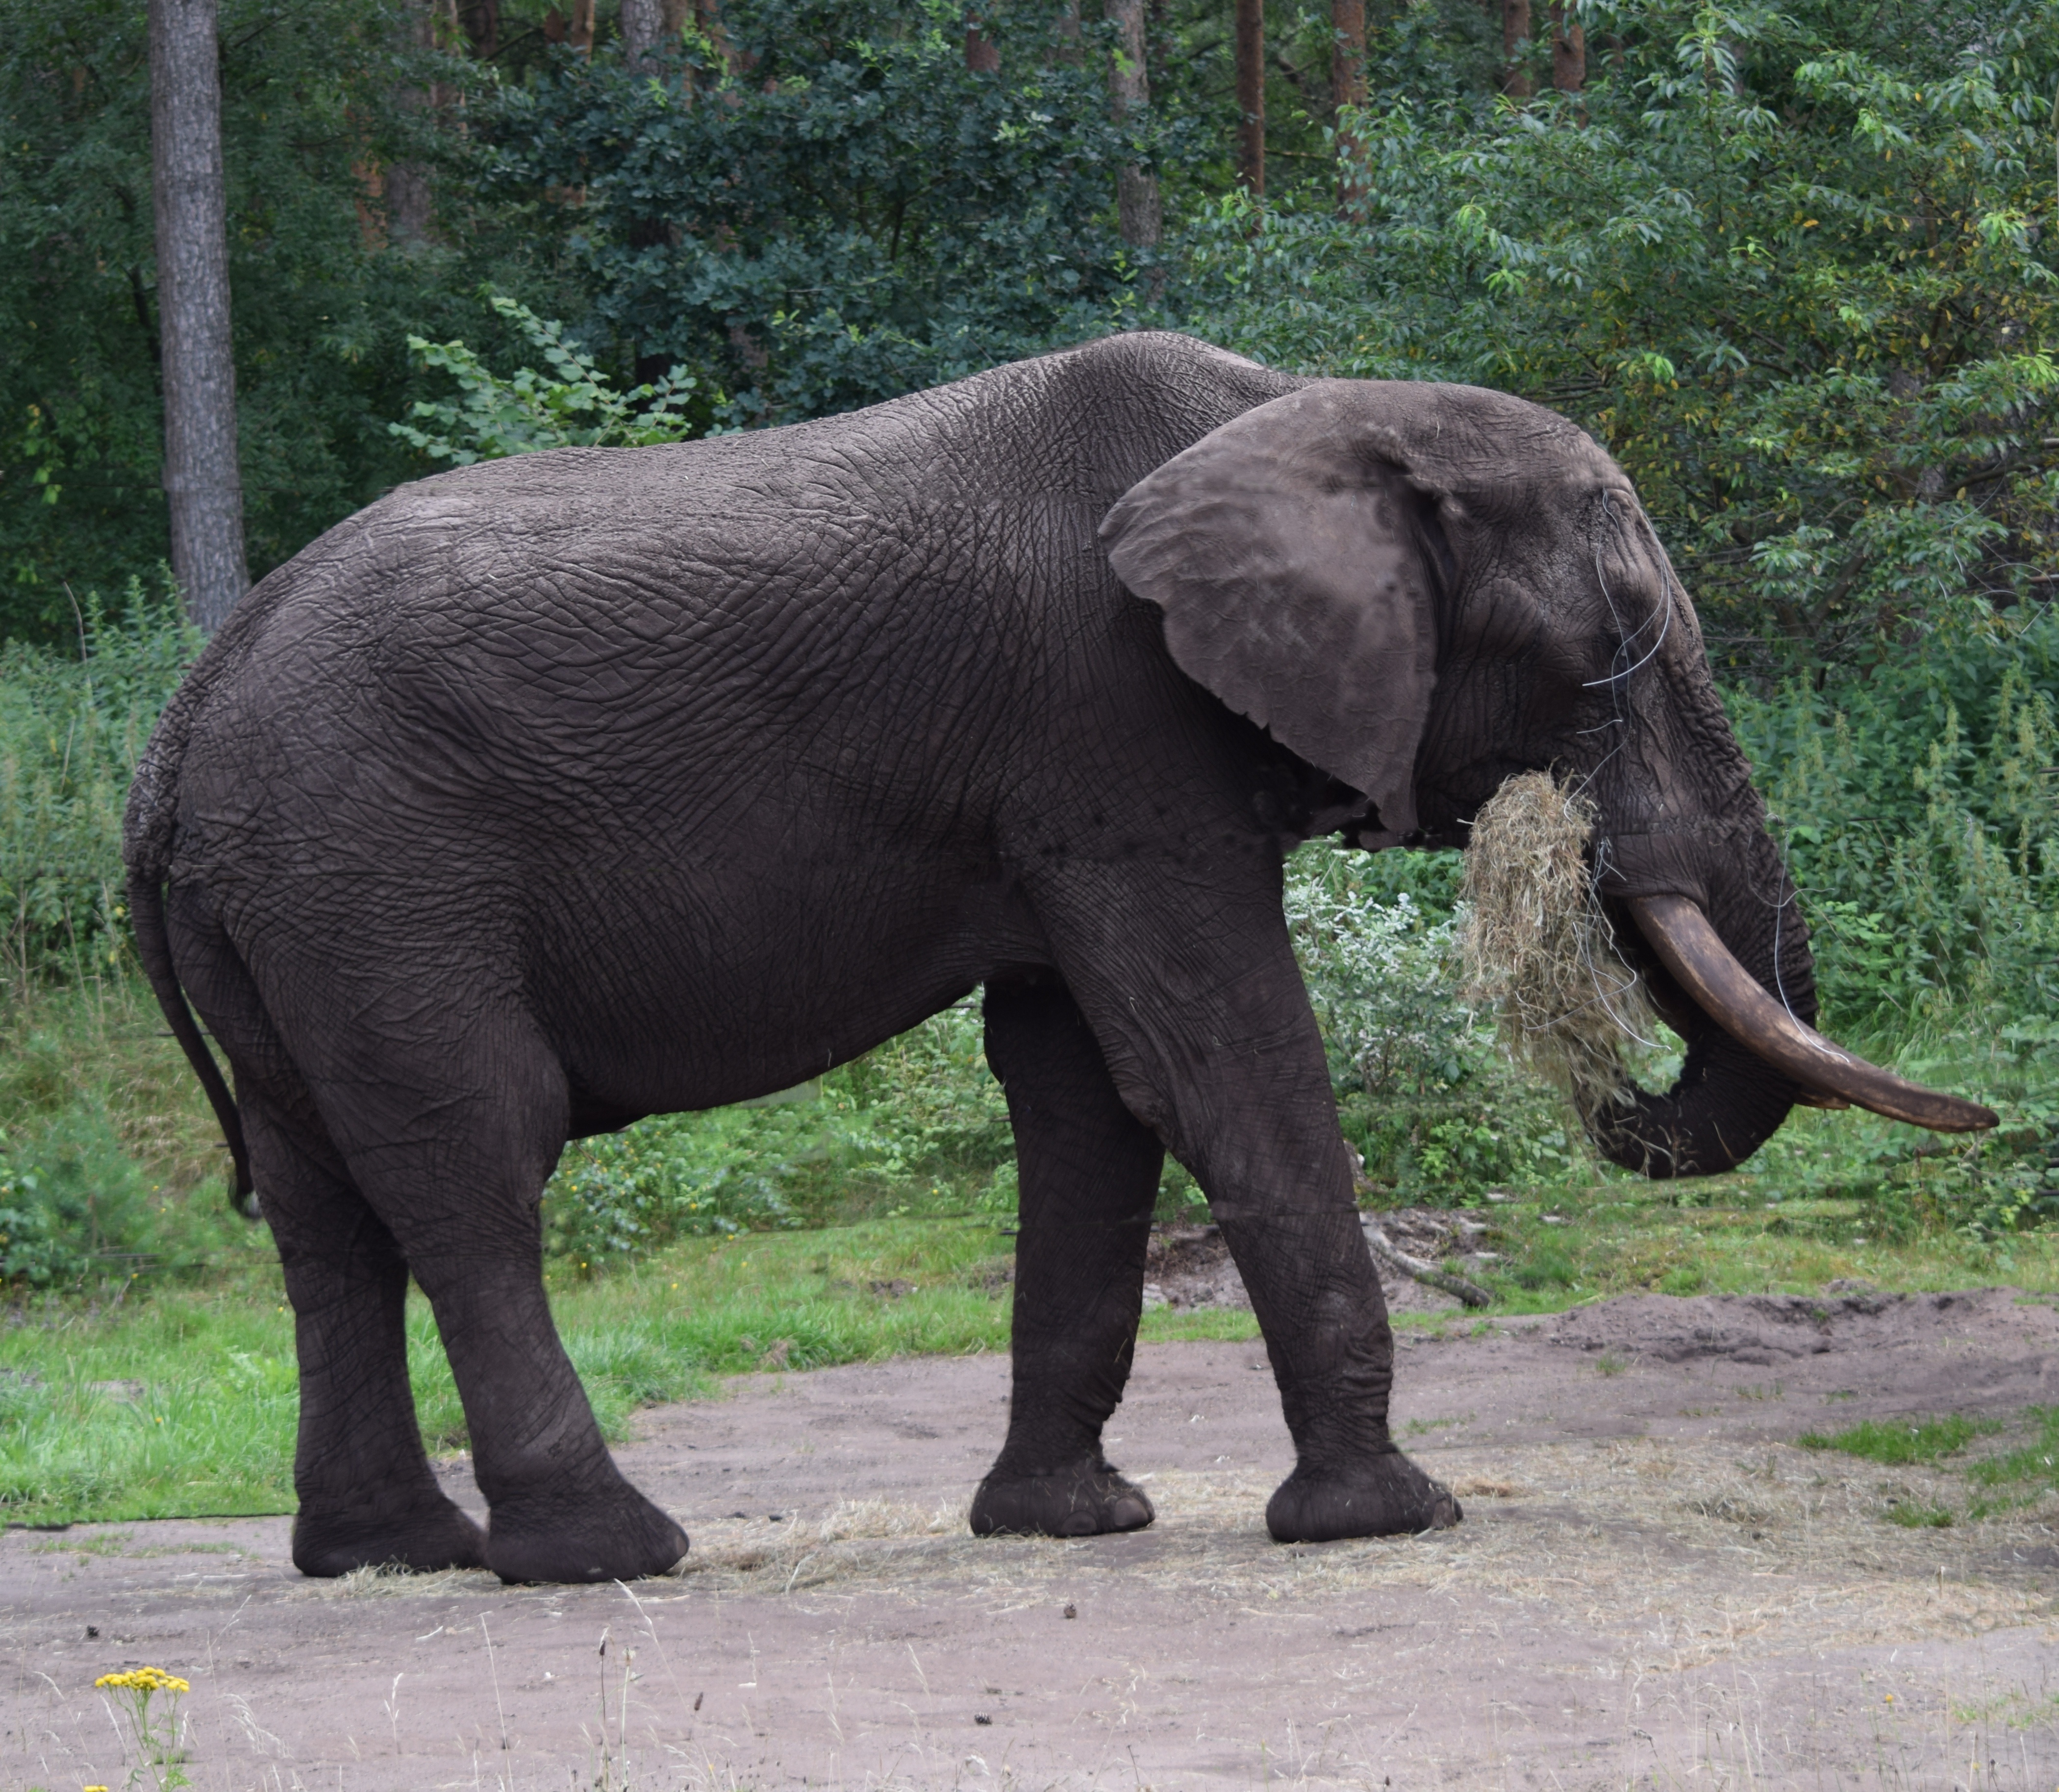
(1424, 590)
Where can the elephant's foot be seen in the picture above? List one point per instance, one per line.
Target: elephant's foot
(1387, 1496)
(616, 1534)
(432, 1535)
(1085, 1500)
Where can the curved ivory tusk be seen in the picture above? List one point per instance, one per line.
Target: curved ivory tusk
(1731, 997)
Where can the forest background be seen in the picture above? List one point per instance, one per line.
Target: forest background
(1787, 263)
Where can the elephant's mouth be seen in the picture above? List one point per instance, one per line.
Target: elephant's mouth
(1828, 1076)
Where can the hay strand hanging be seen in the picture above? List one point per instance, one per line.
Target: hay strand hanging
(1539, 947)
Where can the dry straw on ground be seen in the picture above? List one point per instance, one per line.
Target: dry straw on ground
(1539, 949)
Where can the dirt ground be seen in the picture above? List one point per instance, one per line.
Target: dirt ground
(1653, 1586)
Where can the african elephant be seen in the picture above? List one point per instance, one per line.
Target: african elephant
(545, 795)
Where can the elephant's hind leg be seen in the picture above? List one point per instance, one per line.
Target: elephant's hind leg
(454, 1157)
(368, 1496)
(1090, 1177)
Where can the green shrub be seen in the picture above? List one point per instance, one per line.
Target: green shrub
(70, 733)
(73, 1205)
(919, 1123)
(1426, 1096)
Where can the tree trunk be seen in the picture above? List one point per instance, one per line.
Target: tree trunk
(1129, 86)
(203, 481)
(1569, 50)
(642, 33)
(1070, 50)
(481, 21)
(1347, 52)
(1348, 88)
(580, 35)
(982, 54)
(409, 209)
(1515, 40)
(1250, 97)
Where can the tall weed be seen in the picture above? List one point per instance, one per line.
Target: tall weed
(70, 733)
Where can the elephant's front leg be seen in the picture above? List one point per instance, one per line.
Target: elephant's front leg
(1219, 1049)
(1090, 1177)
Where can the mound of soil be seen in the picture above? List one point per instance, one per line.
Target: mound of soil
(1190, 1266)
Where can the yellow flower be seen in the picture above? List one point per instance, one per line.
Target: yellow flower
(144, 1680)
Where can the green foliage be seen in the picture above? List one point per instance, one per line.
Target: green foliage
(845, 211)
(71, 730)
(1426, 1096)
(1901, 1441)
(71, 1208)
(1790, 267)
(571, 406)
(919, 1123)
(1916, 803)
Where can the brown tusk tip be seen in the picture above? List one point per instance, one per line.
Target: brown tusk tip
(1830, 1077)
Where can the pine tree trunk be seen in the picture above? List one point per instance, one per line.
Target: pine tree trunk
(1130, 87)
(203, 481)
(643, 32)
(1515, 40)
(408, 203)
(1348, 88)
(1250, 97)
(1569, 50)
(580, 35)
(481, 20)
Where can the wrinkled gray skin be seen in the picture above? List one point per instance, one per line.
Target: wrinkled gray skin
(546, 795)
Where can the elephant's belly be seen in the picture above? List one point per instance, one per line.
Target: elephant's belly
(681, 1018)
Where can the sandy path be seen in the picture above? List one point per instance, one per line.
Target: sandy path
(1652, 1586)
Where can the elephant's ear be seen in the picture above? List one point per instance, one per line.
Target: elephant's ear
(1292, 556)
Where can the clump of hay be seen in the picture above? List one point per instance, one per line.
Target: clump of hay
(1539, 949)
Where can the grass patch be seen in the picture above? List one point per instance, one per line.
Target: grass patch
(1900, 1442)
(2018, 1477)
(184, 1401)
(1920, 1518)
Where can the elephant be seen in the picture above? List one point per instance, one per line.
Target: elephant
(547, 793)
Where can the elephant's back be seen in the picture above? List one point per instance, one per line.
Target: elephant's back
(540, 639)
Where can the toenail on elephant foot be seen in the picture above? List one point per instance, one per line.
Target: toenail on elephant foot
(1388, 1496)
(616, 1535)
(423, 1539)
(1087, 1500)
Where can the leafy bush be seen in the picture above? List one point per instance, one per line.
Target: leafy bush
(1916, 802)
(73, 1206)
(70, 733)
(571, 406)
(1426, 1096)
(843, 211)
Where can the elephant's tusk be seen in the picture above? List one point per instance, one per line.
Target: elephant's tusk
(1731, 997)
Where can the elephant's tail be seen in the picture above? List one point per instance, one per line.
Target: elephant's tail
(146, 850)
(146, 911)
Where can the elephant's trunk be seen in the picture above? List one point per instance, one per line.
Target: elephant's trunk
(1733, 974)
